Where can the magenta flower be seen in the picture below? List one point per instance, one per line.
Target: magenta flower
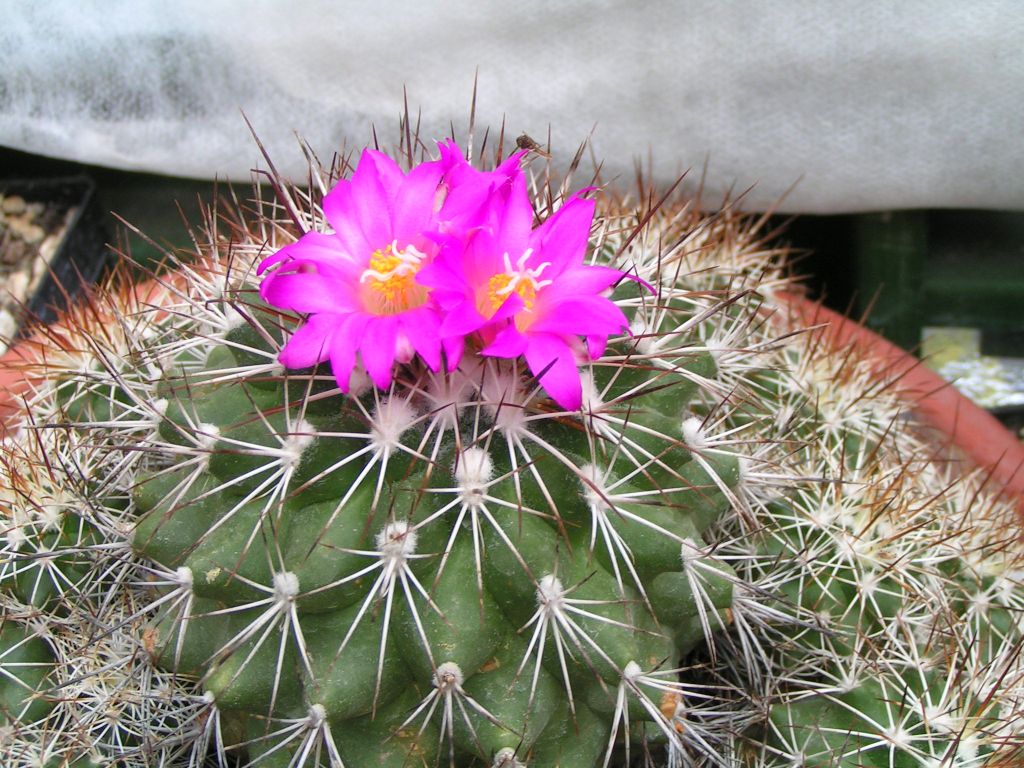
(417, 262)
(358, 283)
(527, 291)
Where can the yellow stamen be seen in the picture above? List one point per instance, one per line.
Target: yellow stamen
(498, 289)
(391, 278)
(520, 280)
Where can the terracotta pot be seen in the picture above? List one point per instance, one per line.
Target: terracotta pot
(968, 429)
(18, 365)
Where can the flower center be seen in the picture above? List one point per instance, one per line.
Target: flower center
(391, 279)
(520, 280)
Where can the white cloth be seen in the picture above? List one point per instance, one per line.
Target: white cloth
(864, 105)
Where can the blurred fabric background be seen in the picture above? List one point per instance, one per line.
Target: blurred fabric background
(862, 105)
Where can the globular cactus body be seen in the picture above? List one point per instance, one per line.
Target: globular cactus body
(728, 554)
(346, 551)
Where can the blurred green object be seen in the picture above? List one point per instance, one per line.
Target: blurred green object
(943, 268)
(157, 205)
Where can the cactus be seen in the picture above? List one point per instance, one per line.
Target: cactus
(730, 553)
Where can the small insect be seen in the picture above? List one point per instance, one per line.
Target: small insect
(525, 141)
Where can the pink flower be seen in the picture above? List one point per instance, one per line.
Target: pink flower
(358, 283)
(527, 291)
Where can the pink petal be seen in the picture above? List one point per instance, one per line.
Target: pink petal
(509, 308)
(552, 359)
(377, 348)
(509, 343)
(308, 292)
(581, 315)
(343, 349)
(414, 203)
(453, 349)
(450, 152)
(469, 189)
(386, 171)
(343, 216)
(442, 276)
(481, 258)
(370, 198)
(581, 280)
(517, 220)
(315, 246)
(461, 319)
(511, 165)
(310, 344)
(596, 346)
(563, 238)
(422, 328)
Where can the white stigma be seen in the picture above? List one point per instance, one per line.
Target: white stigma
(522, 274)
(409, 260)
(472, 473)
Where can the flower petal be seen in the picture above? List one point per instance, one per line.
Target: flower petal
(422, 328)
(414, 203)
(509, 343)
(443, 276)
(562, 239)
(581, 315)
(385, 170)
(313, 246)
(468, 190)
(596, 345)
(517, 219)
(310, 344)
(308, 292)
(343, 350)
(377, 348)
(372, 205)
(461, 320)
(582, 280)
(552, 360)
(453, 349)
(343, 216)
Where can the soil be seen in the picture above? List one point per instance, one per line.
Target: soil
(30, 234)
